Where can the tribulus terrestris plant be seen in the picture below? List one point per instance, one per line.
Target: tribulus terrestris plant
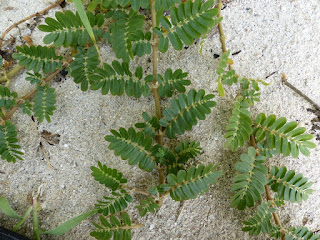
(123, 25)
(267, 136)
(130, 35)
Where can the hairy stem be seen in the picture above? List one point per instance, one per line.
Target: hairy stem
(268, 194)
(155, 84)
(221, 33)
(11, 74)
(33, 91)
(44, 11)
(284, 81)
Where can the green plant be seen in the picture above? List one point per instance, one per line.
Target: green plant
(121, 24)
(268, 136)
(34, 208)
(130, 35)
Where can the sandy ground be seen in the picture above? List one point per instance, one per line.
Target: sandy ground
(273, 37)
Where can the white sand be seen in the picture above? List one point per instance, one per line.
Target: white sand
(273, 36)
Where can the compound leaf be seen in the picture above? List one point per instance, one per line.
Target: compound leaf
(136, 147)
(191, 183)
(69, 30)
(301, 233)
(35, 78)
(172, 80)
(123, 32)
(110, 177)
(260, 222)
(151, 125)
(185, 110)
(118, 202)
(285, 138)
(38, 57)
(239, 127)
(249, 185)
(83, 66)
(189, 21)
(115, 228)
(119, 79)
(9, 149)
(7, 98)
(44, 103)
(148, 205)
(289, 185)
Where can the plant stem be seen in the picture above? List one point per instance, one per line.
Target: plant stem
(268, 194)
(221, 33)
(44, 11)
(35, 219)
(11, 74)
(155, 83)
(139, 191)
(222, 36)
(32, 92)
(24, 218)
(284, 81)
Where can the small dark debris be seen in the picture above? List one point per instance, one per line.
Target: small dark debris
(64, 73)
(32, 118)
(270, 74)
(216, 55)
(236, 53)
(6, 55)
(52, 139)
(186, 47)
(63, 4)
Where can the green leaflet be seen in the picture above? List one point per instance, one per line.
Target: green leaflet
(260, 222)
(7, 98)
(187, 150)
(189, 21)
(111, 178)
(125, 30)
(169, 159)
(69, 224)
(136, 147)
(118, 79)
(239, 127)
(35, 78)
(165, 4)
(249, 184)
(1, 62)
(68, 29)
(285, 138)
(118, 202)
(26, 108)
(301, 233)
(9, 149)
(44, 103)
(137, 4)
(141, 44)
(172, 80)
(289, 185)
(114, 228)
(223, 62)
(6, 208)
(175, 160)
(151, 125)
(191, 183)
(84, 65)
(185, 110)
(38, 57)
(148, 205)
